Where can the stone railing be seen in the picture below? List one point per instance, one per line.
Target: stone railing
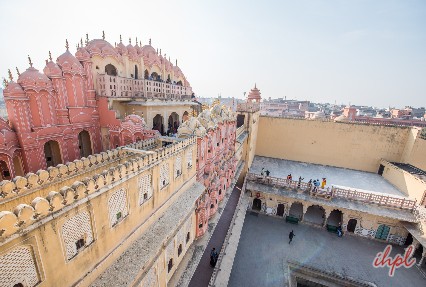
(248, 107)
(120, 87)
(334, 192)
(240, 130)
(27, 213)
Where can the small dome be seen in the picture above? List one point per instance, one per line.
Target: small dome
(121, 49)
(13, 89)
(82, 55)
(69, 63)
(148, 49)
(138, 49)
(135, 119)
(33, 78)
(52, 70)
(101, 47)
(131, 50)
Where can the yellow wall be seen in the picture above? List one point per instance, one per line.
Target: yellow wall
(404, 181)
(347, 145)
(46, 236)
(418, 154)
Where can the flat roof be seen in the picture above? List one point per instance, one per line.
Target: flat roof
(336, 176)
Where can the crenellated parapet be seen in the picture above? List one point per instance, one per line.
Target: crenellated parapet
(26, 200)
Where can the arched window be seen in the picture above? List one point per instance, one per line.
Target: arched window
(4, 170)
(170, 265)
(146, 75)
(136, 72)
(111, 70)
(84, 144)
(52, 153)
(157, 123)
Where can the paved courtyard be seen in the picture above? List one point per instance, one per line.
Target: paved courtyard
(336, 176)
(263, 252)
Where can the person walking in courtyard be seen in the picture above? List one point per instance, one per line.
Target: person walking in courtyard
(262, 172)
(267, 172)
(213, 257)
(290, 236)
(324, 182)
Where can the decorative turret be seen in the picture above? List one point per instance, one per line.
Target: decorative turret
(254, 95)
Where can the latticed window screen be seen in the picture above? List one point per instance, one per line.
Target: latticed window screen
(178, 166)
(18, 266)
(74, 229)
(189, 158)
(117, 206)
(164, 175)
(145, 188)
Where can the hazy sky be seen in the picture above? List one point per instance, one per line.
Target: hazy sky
(362, 52)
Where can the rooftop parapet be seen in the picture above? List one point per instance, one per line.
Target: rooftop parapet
(248, 107)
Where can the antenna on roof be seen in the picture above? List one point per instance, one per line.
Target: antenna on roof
(10, 75)
(120, 39)
(103, 35)
(66, 44)
(17, 71)
(87, 39)
(150, 41)
(81, 42)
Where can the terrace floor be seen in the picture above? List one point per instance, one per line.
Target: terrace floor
(263, 254)
(336, 176)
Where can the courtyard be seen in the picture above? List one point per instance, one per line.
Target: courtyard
(336, 176)
(263, 254)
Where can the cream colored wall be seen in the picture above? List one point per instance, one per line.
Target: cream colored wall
(418, 154)
(347, 145)
(56, 270)
(412, 186)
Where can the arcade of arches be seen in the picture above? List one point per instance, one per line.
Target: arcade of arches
(330, 218)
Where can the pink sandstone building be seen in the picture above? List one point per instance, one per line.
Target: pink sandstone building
(89, 102)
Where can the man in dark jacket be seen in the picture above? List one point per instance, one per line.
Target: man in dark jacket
(290, 236)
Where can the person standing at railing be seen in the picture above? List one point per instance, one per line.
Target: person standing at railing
(310, 184)
(300, 181)
(289, 178)
(262, 172)
(324, 182)
(267, 172)
(316, 185)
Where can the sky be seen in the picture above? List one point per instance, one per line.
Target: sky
(345, 52)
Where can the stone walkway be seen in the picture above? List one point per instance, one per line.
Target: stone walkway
(204, 271)
(263, 253)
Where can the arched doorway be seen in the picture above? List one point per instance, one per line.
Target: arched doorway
(17, 164)
(257, 204)
(185, 116)
(52, 153)
(296, 210)
(280, 209)
(408, 240)
(335, 218)
(157, 123)
(136, 72)
(154, 76)
(352, 225)
(111, 70)
(84, 144)
(173, 123)
(146, 75)
(382, 232)
(4, 170)
(315, 214)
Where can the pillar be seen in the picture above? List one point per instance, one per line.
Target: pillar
(326, 215)
(305, 208)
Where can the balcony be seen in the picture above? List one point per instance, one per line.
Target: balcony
(119, 87)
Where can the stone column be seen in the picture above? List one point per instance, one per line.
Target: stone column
(305, 208)
(326, 215)
(345, 221)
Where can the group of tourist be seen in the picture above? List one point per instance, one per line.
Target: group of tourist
(316, 182)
